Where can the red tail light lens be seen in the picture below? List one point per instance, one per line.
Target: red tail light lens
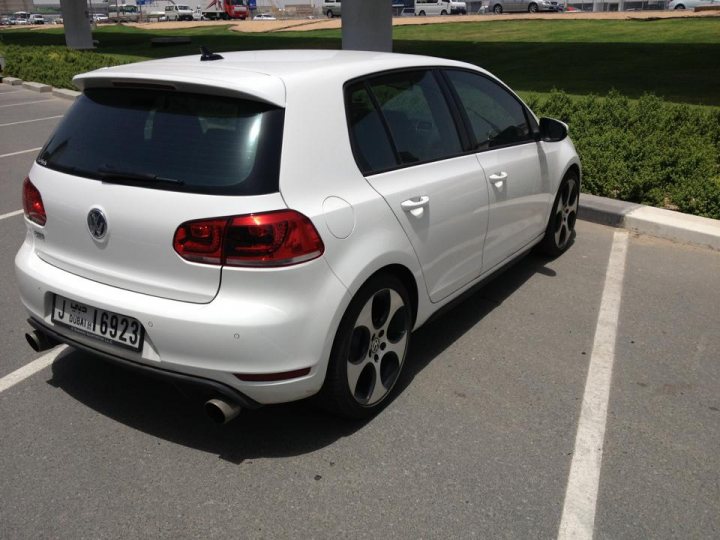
(33, 203)
(278, 238)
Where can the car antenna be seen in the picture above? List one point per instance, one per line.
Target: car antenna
(207, 55)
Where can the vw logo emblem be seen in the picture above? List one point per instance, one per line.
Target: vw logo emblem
(97, 224)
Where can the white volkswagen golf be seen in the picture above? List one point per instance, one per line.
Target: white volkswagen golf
(272, 225)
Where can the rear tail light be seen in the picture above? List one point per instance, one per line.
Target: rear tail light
(33, 203)
(279, 238)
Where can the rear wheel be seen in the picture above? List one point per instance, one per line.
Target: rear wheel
(443, 12)
(330, 14)
(369, 349)
(679, 6)
(497, 9)
(421, 14)
(560, 231)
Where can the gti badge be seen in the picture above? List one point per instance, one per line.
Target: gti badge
(97, 224)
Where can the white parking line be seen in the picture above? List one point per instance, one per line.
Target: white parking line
(11, 214)
(578, 517)
(21, 152)
(25, 103)
(28, 121)
(10, 92)
(30, 369)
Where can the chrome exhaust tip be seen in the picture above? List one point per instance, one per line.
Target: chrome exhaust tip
(220, 411)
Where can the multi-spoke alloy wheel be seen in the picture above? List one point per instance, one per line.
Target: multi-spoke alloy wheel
(370, 348)
(561, 228)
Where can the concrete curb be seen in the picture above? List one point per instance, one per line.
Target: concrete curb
(63, 93)
(12, 81)
(37, 87)
(651, 221)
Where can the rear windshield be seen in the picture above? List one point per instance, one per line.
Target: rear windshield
(170, 140)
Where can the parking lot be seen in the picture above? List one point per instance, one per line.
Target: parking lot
(498, 431)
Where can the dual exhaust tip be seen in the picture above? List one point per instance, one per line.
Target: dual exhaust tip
(219, 410)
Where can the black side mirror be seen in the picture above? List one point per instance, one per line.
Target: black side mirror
(552, 130)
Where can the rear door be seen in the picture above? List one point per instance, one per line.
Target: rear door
(127, 166)
(407, 143)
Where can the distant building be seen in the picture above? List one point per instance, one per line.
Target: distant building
(11, 6)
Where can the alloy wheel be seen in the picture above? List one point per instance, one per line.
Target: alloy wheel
(378, 346)
(566, 213)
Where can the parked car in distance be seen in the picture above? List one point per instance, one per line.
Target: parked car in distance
(100, 18)
(178, 12)
(264, 17)
(36, 18)
(332, 8)
(530, 6)
(439, 7)
(692, 4)
(185, 218)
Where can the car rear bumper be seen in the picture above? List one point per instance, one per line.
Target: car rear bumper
(208, 387)
(261, 322)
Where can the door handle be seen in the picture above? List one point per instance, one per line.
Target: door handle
(416, 206)
(498, 178)
(417, 202)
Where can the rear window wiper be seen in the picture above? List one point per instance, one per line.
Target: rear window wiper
(114, 175)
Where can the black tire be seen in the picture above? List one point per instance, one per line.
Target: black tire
(497, 9)
(679, 6)
(330, 14)
(560, 231)
(532, 8)
(378, 352)
(421, 14)
(443, 12)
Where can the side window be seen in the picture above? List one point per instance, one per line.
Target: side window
(418, 116)
(373, 150)
(497, 118)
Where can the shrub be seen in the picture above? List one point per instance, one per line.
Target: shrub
(55, 66)
(647, 151)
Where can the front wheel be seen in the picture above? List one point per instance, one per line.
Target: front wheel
(532, 8)
(330, 14)
(560, 231)
(443, 13)
(497, 9)
(421, 14)
(369, 349)
(679, 6)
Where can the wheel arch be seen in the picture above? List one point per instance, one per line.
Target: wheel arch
(406, 277)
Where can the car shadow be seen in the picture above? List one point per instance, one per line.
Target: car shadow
(160, 409)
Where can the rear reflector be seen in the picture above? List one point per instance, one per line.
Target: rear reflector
(268, 377)
(279, 238)
(33, 203)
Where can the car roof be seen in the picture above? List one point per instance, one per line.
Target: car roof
(263, 75)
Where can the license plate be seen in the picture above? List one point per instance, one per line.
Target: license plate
(97, 323)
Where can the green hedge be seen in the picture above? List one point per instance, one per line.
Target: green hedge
(647, 151)
(51, 65)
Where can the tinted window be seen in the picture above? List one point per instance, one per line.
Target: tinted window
(189, 142)
(417, 115)
(497, 118)
(373, 150)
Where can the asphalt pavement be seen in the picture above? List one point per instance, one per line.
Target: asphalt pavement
(479, 442)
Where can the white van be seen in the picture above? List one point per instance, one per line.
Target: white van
(439, 7)
(178, 12)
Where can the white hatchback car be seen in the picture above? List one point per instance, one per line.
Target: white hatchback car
(274, 224)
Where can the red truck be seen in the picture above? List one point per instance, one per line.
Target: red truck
(226, 9)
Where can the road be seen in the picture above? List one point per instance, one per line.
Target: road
(493, 413)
